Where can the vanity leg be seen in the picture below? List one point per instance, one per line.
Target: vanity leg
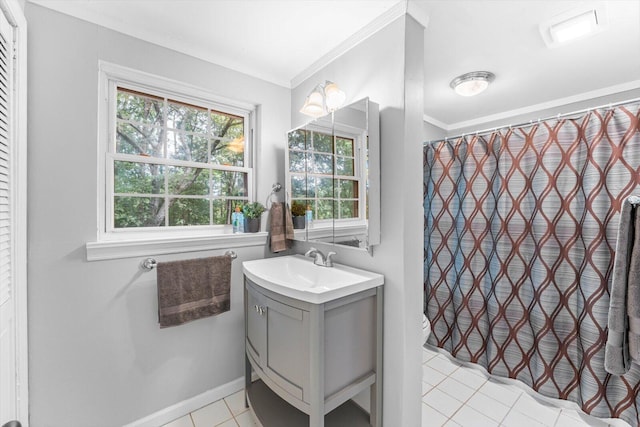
(375, 415)
(247, 380)
(247, 364)
(316, 350)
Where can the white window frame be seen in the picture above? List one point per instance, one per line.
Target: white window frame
(118, 243)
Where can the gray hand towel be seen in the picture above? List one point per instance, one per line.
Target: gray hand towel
(281, 227)
(624, 287)
(193, 289)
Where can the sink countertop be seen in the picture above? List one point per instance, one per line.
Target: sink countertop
(298, 277)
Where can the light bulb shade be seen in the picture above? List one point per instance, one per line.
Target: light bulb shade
(473, 83)
(334, 97)
(314, 104)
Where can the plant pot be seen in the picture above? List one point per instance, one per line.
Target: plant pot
(252, 225)
(298, 222)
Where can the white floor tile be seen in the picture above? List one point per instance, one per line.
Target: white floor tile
(585, 419)
(228, 423)
(452, 423)
(431, 417)
(211, 415)
(431, 376)
(529, 406)
(469, 376)
(426, 388)
(443, 364)
(246, 420)
(456, 389)
(488, 406)
(181, 422)
(428, 354)
(500, 393)
(567, 421)
(444, 403)
(467, 416)
(518, 419)
(235, 402)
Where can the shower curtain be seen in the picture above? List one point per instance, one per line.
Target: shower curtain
(520, 231)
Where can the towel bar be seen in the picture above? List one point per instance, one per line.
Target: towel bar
(149, 264)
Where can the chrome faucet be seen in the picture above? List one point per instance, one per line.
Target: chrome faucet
(319, 258)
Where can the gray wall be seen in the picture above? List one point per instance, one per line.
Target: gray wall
(97, 355)
(388, 68)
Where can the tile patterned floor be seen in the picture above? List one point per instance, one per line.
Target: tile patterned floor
(227, 412)
(453, 395)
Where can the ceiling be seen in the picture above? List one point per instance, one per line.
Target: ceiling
(281, 40)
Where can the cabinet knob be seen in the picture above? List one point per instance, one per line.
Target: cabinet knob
(256, 308)
(262, 310)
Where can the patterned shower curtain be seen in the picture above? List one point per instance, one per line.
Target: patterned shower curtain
(520, 232)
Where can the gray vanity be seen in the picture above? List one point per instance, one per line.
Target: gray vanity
(313, 338)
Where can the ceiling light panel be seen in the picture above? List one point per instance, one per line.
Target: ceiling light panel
(574, 25)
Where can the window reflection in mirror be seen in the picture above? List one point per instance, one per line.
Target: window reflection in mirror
(328, 173)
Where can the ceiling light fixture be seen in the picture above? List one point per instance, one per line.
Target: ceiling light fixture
(473, 83)
(574, 24)
(575, 27)
(324, 98)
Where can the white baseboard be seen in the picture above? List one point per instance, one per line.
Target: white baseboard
(181, 409)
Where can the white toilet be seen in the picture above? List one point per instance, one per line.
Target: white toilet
(426, 328)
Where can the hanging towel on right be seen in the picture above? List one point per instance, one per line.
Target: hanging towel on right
(623, 339)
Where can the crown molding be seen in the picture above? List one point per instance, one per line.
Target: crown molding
(397, 10)
(162, 40)
(560, 102)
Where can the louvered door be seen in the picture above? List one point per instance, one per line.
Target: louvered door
(8, 354)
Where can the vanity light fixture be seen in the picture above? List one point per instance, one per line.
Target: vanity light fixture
(473, 83)
(323, 99)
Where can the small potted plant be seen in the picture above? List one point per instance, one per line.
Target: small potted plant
(297, 214)
(252, 213)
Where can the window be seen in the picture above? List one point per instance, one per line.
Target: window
(324, 173)
(175, 160)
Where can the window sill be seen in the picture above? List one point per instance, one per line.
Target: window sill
(116, 249)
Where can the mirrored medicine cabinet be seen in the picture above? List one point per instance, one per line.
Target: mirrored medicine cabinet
(333, 175)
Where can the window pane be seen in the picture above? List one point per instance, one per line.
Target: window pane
(325, 187)
(297, 161)
(139, 140)
(344, 147)
(187, 117)
(228, 152)
(348, 189)
(188, 212)
(139, 108)
(323, 163)
(325, 209)
(222, 209)
(298, 186)
(140, 178)
(344, 166)
(188, 181)
(298, 139)
(189, 147)
(322, 142)
(138, 212)
(228, 183)
(348, 209)
(226, 125)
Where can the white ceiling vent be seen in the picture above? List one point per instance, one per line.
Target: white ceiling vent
(574, 24)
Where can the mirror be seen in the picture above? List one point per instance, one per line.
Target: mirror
(333, 177)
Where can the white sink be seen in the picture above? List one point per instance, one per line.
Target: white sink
(298, 277)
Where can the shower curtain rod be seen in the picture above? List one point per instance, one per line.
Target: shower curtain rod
(530, 122)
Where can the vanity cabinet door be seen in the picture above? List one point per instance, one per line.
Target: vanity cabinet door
(287, 352)
(256, 312)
